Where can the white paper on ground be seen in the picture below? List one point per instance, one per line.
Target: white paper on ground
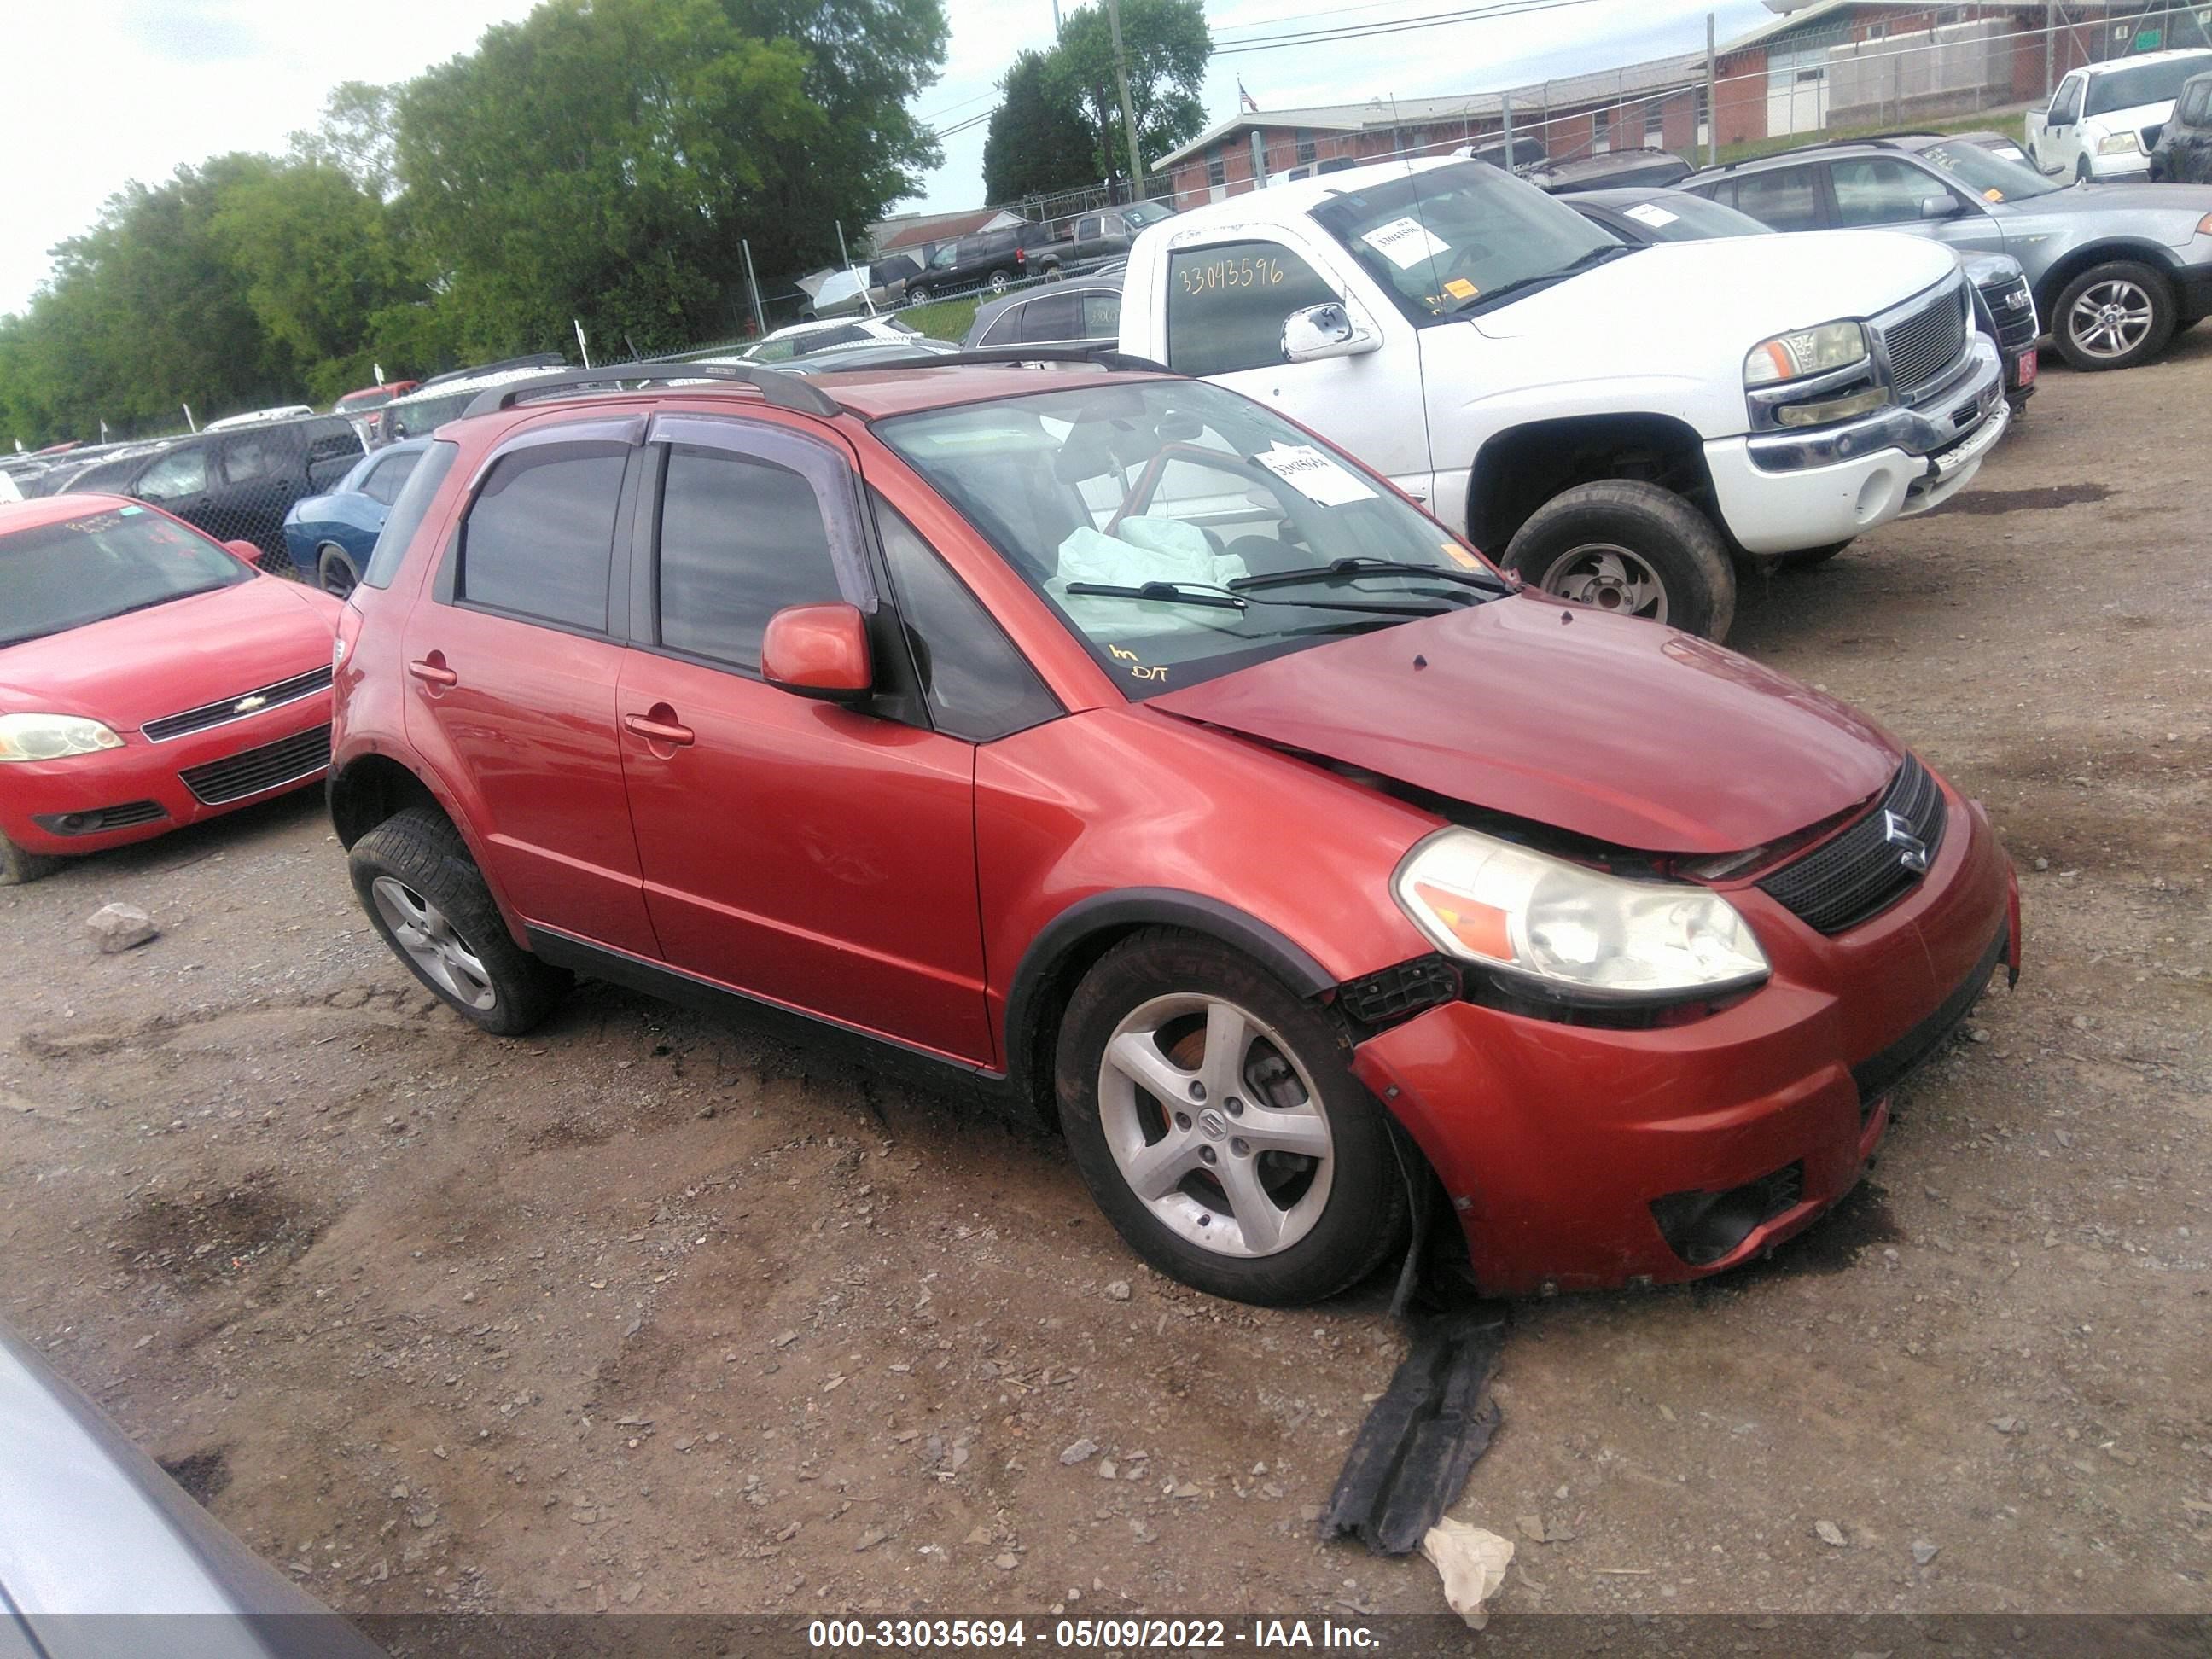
(1472, 1563)
(1314, 474)
(1406, 242)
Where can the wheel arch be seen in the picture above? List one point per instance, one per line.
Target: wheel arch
(368, 790)
(2075, 261)
(1518, 469)
(1065, 949)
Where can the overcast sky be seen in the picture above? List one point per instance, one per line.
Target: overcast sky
(151, 84)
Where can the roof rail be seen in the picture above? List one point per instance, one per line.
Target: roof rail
(1104, 355)
(784, 390)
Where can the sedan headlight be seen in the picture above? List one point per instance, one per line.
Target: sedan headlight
(1805, 351)
(1574, 931)
(2120, 143)
(53, 737)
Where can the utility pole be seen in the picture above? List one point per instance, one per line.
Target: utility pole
(1128, 112)
(2050, 45)
(760, 319)
(1713, 99)
(1508, 113)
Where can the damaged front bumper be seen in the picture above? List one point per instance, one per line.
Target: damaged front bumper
(1587, 1157)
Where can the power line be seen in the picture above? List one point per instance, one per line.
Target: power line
(1402, 25)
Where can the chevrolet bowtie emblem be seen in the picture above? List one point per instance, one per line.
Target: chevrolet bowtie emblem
(247, 705)
(1912, 851)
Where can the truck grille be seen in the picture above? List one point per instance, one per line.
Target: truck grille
(2012, 306)
(215, 713)
(1853, 877)
(1924, 342)
(287, 760)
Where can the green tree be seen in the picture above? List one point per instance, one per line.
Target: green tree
(1166, 45)
(357, 136)
(1039, 139)
(602, 159)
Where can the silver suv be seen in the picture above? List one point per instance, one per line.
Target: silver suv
(2115, 269)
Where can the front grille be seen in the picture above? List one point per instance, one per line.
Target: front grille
(1923, 344)
(2013, 309)
(1856, 875)
(106, 818)
(215, 713)
(236, 776)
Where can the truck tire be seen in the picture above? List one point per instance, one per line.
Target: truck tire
(1630, 548)
(2114, 316)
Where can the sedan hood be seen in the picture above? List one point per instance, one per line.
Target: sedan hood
(1604, 727)
(2186, 203)
(1742, 287)
(168, 658)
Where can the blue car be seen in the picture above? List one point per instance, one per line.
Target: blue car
(330, 535)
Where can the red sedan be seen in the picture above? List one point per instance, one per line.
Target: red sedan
(1102, 736)
(149, 676)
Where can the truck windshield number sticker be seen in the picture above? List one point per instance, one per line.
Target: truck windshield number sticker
(1406, 242)
(1219, 276)
(1313, 475)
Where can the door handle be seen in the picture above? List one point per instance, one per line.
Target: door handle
(654, 730)
(434, 673)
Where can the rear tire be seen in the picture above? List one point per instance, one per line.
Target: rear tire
(999, 281)
(1228, 1210)
(428, 899)
(19, 868)
(1629, 547)
(334, 571)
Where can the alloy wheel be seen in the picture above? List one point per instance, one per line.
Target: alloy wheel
(434, 943)
(1608, 577)
(2111, 318)
(1215, 1124)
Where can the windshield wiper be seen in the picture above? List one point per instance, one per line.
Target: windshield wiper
(1191, 593)
(1351, 568)
(1581, 262)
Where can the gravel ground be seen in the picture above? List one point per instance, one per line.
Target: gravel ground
(649, 1311)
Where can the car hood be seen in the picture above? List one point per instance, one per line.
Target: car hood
(162, 661)
(1750, 287)
(2135, 115)
(1604, 727)
(2184, 203)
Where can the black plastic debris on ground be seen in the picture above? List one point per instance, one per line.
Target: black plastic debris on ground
(1412, 1454)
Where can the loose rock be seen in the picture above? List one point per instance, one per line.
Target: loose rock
(1830, 1534)
(1079, 1451)
(120, 927)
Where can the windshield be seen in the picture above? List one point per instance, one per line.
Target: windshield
(1440, 238)
(1987, 174)
(1138, 215)
(2146, 83)
(1675, 215)
(59, 576)
(1116, 486)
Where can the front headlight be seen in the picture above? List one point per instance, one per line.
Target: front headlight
(1805, 351)
(2120, 143)
(1574, 931)
(53, 737)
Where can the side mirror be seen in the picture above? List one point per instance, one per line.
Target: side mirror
(1942, 206)
(1325, 330)
(819, 651)
(246, 552)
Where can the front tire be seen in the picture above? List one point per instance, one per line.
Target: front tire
(1213, 1115)
(1001, 280)
(19, 868)
(2114, 316)
(428, 899)
(335, 573)
(1632, 549)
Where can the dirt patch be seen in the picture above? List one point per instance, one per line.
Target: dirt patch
(208, 1237)
(205, 1475)
(1985, 503)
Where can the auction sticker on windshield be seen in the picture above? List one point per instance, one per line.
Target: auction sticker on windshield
(1652, 214)
(1406, 242)
(1313, 475)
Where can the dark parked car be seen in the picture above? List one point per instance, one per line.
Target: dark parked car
(2004, 309)
(2182, 154)
(1053, 724)
(986, 258)
(1079, 308)
(1090, 240)
(329, 537)
(236, 485)
(1615, 168)
(442, 397)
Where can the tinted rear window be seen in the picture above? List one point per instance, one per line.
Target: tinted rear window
(407, 514)
(539, 538)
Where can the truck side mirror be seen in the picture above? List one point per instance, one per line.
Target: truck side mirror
(1942, 206)
(1325, 330)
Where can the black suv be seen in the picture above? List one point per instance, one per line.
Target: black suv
(988, 259)
(236, 485)
(2184, 152)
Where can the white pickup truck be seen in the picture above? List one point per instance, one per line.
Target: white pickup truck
(1615, 423)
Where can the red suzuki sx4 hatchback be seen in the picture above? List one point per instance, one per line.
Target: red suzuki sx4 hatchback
(1103, 735)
